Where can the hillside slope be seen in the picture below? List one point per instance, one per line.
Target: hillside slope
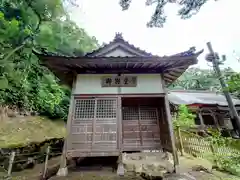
(20, 131)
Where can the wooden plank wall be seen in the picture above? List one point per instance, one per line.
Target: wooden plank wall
(95, 127)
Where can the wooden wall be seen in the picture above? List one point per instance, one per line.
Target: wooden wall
(97, 130)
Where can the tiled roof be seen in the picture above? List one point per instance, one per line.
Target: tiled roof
(199, 97)
(119, 39)
(119, 56)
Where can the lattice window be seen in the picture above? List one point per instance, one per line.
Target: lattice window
(130, 113)
(84, 108)
(106, 108)
(148, 113)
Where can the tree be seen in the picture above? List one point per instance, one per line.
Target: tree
(32, 24)
(188, 8)
(184, 117)
(234, 84)
(200, 79)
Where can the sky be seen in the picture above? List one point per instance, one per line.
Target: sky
(216, 22)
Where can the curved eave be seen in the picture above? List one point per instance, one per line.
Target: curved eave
(172, 74)
(171, 66)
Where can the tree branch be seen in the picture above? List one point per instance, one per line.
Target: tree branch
(29, 4)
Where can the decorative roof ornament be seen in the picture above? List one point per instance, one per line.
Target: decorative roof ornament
(118, 35)
(189, 52)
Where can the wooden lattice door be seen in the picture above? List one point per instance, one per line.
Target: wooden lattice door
(141, 128)
(149, 127)
(82, 125)
(94, 125)
(105, 125)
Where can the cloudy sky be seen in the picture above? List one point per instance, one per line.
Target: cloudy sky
(217, 22)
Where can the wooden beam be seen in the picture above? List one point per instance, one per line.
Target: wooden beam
(201, 120)
(104, 60)
(63, 171)
(170, 127)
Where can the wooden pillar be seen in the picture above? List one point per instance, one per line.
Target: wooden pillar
(63, 170)
(180, 140)
(120, 167)
(119, 122)
(170, 127)
(201, 120)
(213, 114)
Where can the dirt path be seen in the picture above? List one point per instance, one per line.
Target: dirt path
(108, 175)
(105, 173)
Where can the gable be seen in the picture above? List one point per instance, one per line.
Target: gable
(118, 48)
(118, 52)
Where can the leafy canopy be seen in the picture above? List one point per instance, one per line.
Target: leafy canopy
(32, 25)
(204, 79)
(188, 8)
(234, 84)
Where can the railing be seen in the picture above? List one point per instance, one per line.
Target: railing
(21, 161)
(199, 146)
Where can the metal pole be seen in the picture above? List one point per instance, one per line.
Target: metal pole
(232, 109)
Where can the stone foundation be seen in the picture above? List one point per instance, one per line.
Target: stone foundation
(148, 163)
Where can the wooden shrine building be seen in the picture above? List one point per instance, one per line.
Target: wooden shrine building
(211, 108)
(119, 101)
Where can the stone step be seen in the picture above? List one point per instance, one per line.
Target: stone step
(148, 164)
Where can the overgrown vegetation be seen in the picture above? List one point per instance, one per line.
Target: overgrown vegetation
(184, 118)
(227, 163)
(230, 163)
(234, 84)
(25, 85)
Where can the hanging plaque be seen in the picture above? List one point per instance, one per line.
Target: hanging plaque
(119, 81)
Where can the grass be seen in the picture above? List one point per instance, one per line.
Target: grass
(21, 131)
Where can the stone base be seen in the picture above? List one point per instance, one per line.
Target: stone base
(62, 172)
(120, 169)
(177, 169)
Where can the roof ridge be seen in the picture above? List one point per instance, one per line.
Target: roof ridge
(193, 91)
(119, 38)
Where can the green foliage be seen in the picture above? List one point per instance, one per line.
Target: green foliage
(201, 79)
(216, 137)
(184, 117)
(188, 8)
(230, 164)
(28, 25)
(234, 83)
(227, 163)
